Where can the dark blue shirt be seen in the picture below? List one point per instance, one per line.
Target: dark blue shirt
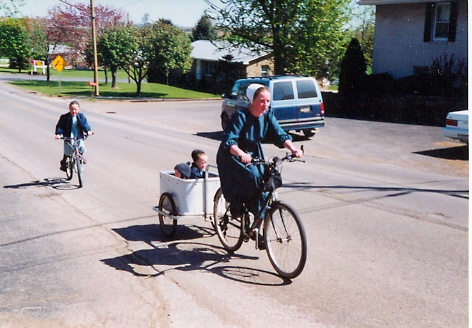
(64, 125)
(239, 181)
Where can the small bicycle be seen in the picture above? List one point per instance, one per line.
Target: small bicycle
(75, 162)
(283, 234)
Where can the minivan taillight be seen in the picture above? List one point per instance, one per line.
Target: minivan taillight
(322, 108)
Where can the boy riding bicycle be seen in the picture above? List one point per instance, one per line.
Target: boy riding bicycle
(72, 125)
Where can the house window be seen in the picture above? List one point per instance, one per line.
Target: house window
(441, 21)
(265, 70)
(210, 68)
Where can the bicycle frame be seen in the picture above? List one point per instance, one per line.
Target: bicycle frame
(271, 198)
(76, 160)
(76, 154)
(283, 236)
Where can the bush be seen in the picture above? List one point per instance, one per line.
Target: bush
(353, 67)
(380, 83)
(446, 77)
(24, 63)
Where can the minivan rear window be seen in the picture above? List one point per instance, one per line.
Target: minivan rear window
(306, 89)
(283, 91)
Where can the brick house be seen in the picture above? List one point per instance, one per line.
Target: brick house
(410, 34)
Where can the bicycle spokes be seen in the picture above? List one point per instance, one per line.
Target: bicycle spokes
(281, 222)
(285, 240)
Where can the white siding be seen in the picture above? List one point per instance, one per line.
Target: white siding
(398, 39)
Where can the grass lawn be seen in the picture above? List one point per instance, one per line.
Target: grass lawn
(82, 89)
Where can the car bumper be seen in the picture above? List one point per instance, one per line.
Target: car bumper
(456, 133)
(301, 125)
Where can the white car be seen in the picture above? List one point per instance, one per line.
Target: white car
(457, 126)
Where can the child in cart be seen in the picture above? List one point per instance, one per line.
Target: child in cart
(182, 171)
(200, 160)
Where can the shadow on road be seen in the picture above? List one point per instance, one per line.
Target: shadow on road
(56, 183)
(390, 191)
(216, 135)
(219, 136)
(159, 257)
(453, 153)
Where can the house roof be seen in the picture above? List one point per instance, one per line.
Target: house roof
(393, 2)
(59, 49)
(214, 51)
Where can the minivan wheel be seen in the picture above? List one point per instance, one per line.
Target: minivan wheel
(225, 121)
(309, 133)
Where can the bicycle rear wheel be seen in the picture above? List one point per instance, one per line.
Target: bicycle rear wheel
(167, 205)
(228, 229)
(70, 168)
(285, 240)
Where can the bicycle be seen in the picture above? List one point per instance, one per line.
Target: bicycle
(76, 161)
(283, 234)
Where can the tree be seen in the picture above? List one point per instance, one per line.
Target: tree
(204, 30)
(317, 47)
(71, 26)
(11, 7)
(111, 46)
(364, 32)
(13, 41)
(128, 46)
(297, 32)
(260, 25)
(353, 69)
(169, 50)
(146, 19)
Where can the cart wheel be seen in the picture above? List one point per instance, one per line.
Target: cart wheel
(167, 205)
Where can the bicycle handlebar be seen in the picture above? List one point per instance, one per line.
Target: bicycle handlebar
(82, 137)
(276, 160)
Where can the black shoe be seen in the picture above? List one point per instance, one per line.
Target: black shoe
(83, 158)
(260, 242)
(237, 211)
(63, 166)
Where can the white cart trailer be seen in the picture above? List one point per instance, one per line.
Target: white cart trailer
(185, 199)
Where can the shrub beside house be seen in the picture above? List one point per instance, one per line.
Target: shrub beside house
(419, 64)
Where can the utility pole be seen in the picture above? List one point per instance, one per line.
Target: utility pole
(94, 40)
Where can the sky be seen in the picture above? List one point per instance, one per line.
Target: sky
(183, 13)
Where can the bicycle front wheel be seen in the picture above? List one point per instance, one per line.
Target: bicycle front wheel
(70, 168)
(285, 240)
(80, 171)
(228, 229)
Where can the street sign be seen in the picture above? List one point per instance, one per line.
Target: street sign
(58, 63)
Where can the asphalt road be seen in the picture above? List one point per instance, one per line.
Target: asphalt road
(385, 208)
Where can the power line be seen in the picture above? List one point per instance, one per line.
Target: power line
(129, 4)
